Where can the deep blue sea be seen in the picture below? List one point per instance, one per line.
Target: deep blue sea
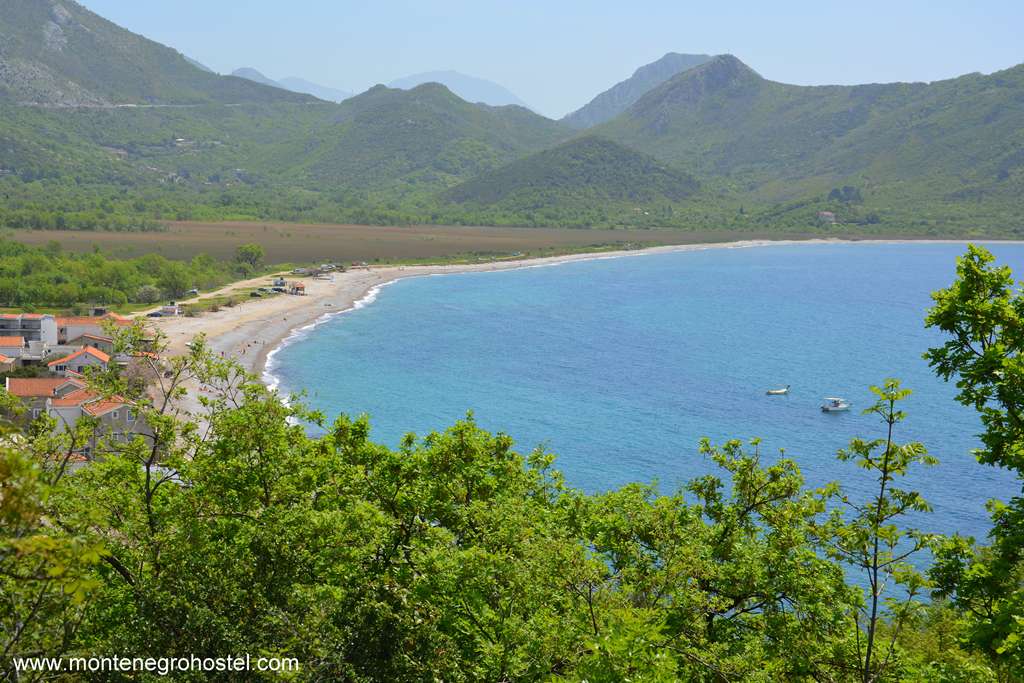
(621, 365)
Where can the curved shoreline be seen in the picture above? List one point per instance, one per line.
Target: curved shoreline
(265, 365)
(254, 332)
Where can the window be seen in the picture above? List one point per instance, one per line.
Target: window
(116, 414)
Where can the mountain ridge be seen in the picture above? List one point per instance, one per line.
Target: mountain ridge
(616, 99)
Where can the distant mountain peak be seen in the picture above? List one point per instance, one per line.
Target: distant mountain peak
(251, 74)
(294, 84)
(717, 74)
(622, 95)
(469, 88)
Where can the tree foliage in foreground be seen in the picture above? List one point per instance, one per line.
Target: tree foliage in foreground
(983, 314)
(454, 557)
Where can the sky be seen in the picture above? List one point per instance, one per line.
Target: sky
(557, 54)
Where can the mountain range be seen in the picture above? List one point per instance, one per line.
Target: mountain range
(294, 84)
(99, 127)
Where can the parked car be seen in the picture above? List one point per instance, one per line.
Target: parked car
(255, 295)
(155, 314)
(192, 292)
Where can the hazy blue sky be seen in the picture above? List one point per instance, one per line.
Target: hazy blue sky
(557, 54)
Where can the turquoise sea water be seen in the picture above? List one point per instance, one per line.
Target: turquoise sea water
(621, 365)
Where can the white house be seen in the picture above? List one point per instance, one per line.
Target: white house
(77, 362)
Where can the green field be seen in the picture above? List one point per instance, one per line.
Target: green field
(305, 243)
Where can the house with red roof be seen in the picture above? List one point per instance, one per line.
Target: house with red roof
(73, 327)
(77, 362)
(69, 400)
(34, 392)
(115, 418)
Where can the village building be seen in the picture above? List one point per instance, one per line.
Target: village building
(7, 364)
(104, 344)
(68, 401)
(77, 362)
(29, 326)
(34, 392)
(73, 327)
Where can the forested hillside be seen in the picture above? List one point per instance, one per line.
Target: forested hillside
(945, 158)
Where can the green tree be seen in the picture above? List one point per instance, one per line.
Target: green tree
(251, 254)
(982, 313)
(148, 294)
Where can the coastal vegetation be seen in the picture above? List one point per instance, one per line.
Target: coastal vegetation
(49, 277)
(455, 557)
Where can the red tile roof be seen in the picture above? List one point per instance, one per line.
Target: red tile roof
(105, 406)
(5, 359)
(90, 402)
(75, 398)
(94, 352)
(23, 316)
(7, 342)
(33, 387)
(64, 321)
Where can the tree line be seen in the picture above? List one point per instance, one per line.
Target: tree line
(48, 276)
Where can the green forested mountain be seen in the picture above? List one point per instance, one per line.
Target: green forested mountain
(586, 181)
(57, 53)
(586, 169)
(426, 137)
(622, 95)
(909, 144)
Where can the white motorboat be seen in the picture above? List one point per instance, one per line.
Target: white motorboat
(835, 405)
(778, 392)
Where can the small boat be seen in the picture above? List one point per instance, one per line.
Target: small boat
(835, 405)
(778, 392)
